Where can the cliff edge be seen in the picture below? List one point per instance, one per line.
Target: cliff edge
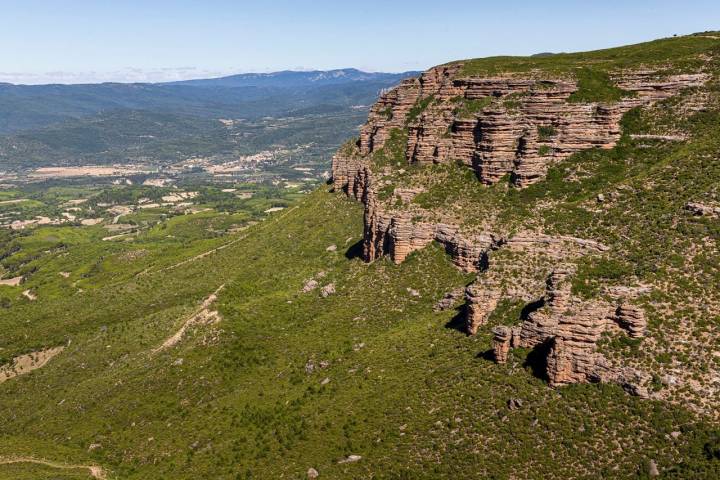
(540, 175)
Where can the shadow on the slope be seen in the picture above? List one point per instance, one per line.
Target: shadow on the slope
(531, 307)
(488, 355)
(537, 360)
(458, 320)
(355, 250)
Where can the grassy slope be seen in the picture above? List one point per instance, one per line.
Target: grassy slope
(24, 471)
(418, 400)
(669, 54)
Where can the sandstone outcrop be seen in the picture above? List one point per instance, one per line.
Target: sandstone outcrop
(397, 235)
(481, 300)
(702, 210)
(569, 330)
(327, 290)
(350, 173)
(503, 126)
(503, 341)
(524, 125)
(632, 319)
(573, 357)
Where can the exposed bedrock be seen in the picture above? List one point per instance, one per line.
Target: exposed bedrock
(529, 124)
(396, 235)
(481, 300)
(631, 319)
(568, 330)
(503, 337)
(703, 210)
(525, 126)
(500, 127)
(350, 174)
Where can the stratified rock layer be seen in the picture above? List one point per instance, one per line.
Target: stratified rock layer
(569, 330)
(501, 126)
(481, 302)
(526, 124)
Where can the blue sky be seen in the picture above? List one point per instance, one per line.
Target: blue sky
(131, 40)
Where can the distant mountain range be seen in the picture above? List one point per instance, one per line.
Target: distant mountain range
(251, 95)
(292, 79)
(60, 124)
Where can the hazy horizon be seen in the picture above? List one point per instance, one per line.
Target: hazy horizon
(80, 41)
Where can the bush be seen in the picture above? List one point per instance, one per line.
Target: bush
(596, 86)
(546, 132)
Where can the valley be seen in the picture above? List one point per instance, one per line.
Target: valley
(509, 271)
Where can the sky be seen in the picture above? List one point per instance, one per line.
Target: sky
(79, 41)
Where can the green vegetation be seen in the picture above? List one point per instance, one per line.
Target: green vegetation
(544, 150)
(546, 132)
(668, 54)
(157, 124)
(28, 471)
(594, 272)
(596, 86)
(155, 139)
(235, 400)
(446, 184)
(393, 152)
(512, 101)
(419, 108)
(468, 108)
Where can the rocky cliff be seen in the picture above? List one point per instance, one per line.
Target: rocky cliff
(570, 330)
(520, 127)
(508, 129)
(507, 124)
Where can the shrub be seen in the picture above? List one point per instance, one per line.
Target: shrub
(544, 150)
(546, 132)
(596, 86)
(419, 108)
(468, 108)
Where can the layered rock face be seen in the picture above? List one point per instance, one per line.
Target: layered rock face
(570, 329)
(631, 319)
(500, 126)
(525, 125)
(350, 174)
(389, 112)
(396, 235)
(481, 300)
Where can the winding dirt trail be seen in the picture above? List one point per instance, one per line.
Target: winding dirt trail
(203, 255)
(95, 471)
(216, 249)
(202, 316)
